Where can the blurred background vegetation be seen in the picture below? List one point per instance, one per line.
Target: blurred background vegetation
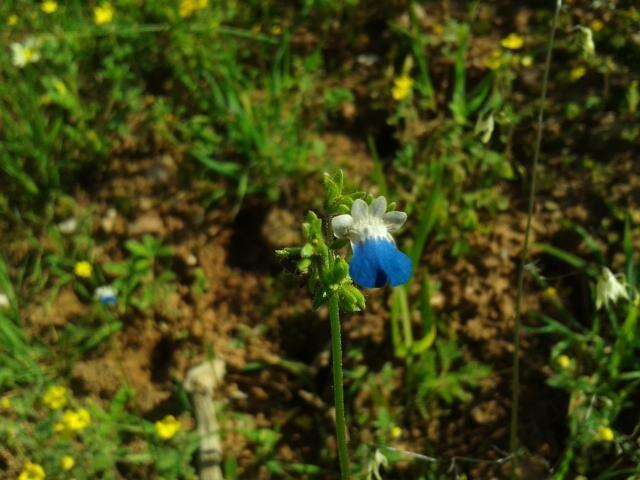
(155, 153)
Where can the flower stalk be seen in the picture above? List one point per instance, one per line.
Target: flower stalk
(338, 388)
(376, 262)
(515, 380)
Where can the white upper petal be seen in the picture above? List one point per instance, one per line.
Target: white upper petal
(378, 207)
(394, 220)
(368, 221)
(359, 210)
(341, 225)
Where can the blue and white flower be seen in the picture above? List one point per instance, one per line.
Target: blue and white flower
(376, 260)
(106, 295)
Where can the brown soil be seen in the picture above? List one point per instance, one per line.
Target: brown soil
(251, 312)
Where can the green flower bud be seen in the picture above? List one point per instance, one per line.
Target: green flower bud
(303, 265)
(340, 270)
(306, 251)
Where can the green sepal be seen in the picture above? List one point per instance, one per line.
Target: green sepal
(351, 299)
(307, 250)
(303, 265)
(340, 271)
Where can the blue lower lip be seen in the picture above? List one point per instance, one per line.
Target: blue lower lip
(378, 262)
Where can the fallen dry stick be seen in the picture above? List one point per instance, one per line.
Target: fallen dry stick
(201, 382)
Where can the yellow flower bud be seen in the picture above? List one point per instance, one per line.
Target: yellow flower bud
(526, 61)
(564, 361)
(577, 73)
(67, 463)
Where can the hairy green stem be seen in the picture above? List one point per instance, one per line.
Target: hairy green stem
(338, 390)
(515, 387)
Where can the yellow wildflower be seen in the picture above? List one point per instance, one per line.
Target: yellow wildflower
(12, 20)
(402, 87)
(55, 397)
(189, 7)
(526, 61)
(564, 361)
(5, 404)
(396, 432)
(597, 25)
(73, 421)
(513, 41)
(67, 463)
(103, 14)
(186, 8)
(577, 73)
(83, 269)
(494, 61)
(49, 6)
(276, 30)
(605, 434)
(31, 471)
(167, 427)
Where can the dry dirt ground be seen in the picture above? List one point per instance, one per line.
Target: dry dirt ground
(256, 312)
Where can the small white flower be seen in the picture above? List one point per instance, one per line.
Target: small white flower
(68, 226)
(4, 301)
(484, 127)
(25, 53)
(367, 59)
(609, 289)
(588, 45)
(376, 260)
(106, 295)
(378, 460)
